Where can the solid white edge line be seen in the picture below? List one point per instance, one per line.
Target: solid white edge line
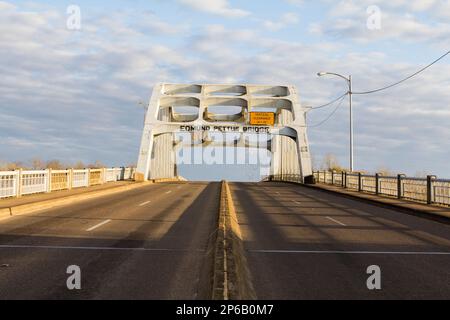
(336, 221)
(353, 252)
(99, 225)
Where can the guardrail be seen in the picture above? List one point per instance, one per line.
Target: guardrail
(285, 177)
(430, 190)
(22, 182)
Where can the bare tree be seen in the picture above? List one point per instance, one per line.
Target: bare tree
(15, 165)
(97, 164)
(54, 164)
(384, 171)
(314, 162)
(3, 165)
(37, 164)
(330, 162)
(79, 165)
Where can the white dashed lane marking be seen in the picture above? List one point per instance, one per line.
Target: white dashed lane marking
(336, 221)
(99, 225)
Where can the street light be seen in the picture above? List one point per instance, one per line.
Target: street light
(349, 82)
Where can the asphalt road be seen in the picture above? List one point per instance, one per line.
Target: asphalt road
(148, 243)
(308, 244)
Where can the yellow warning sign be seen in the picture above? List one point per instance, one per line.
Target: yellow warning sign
(262, 118)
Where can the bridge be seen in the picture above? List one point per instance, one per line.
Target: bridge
(146, 233)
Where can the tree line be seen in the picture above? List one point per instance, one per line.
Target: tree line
(39, 164)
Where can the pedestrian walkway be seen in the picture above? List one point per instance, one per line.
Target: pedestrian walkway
(402, 204)
(27, 199)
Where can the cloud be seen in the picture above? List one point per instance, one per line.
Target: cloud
(218, 7)
(73, 95)
(6, 6)
(284, 21)
(399, 21)
(295, 2)
(68, 94)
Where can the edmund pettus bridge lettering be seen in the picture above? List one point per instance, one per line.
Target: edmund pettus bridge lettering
(244, 129)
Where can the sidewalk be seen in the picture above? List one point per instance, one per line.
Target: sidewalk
(38, 197)
(439, 212)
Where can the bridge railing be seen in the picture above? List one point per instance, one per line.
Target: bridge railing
(429, 190)
(22, 182)
(285, 177)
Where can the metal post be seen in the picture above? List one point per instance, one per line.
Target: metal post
(332, 177)
(351, 120)
(342, 178)
(359, 181)
(350, 95)
(345, 179)
(430, 189)
(70, 179)
(377, 183)
(399, 186)
(49, 180)
(104, 171)
(19, 183)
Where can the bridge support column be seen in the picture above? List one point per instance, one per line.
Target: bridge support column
(290, 157)
(156, 156)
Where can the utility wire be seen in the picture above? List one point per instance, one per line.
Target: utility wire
(329, 103)
(405, 79)
(330, 115)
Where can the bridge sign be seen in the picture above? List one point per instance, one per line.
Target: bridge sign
(262, 118)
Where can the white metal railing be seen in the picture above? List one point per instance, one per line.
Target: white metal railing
(80, 178)
(22, 182)
(60, 180)
(430, 189)
(8, 183)
(33, 181)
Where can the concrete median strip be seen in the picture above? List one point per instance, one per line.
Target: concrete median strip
(52, 203)
(231, 276)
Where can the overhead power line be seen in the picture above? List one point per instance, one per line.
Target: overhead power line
(329, 103)
(405, 79)
(330, 115)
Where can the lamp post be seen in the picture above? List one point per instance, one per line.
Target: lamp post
(349, 82)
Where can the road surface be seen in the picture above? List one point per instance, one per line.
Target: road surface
(153, 243)
(308, 244)
(105, 236)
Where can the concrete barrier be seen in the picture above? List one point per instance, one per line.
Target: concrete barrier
(231, 276)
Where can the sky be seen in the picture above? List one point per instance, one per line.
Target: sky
(72, 93)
